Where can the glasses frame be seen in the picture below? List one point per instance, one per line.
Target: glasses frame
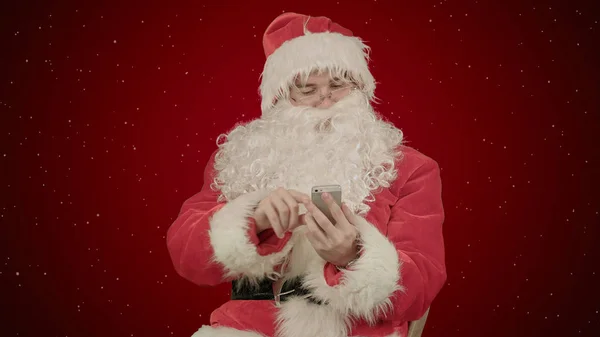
(317, 98)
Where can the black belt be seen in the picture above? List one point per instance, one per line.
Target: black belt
(240, 290)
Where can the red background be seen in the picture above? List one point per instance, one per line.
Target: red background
(110, 111)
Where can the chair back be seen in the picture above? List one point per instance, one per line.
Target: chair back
(415, 328)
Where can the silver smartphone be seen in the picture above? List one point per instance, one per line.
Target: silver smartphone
(336, 193)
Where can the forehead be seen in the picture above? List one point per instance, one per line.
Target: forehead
(316, 78)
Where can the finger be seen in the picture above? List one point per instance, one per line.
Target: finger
(350, 216)
(299, 196)
(321, 220)
(260, 218)
(274, 220)
(293, 208)
(283, 211)
(301, 222)
(336, 211)
(314, 231)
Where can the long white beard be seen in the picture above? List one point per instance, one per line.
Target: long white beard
(299, 147)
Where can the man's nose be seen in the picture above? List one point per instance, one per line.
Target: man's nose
(325, 98)
(326, 103)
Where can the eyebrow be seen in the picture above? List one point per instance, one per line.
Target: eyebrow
(312, 85)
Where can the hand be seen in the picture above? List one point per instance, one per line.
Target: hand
(279, 210)
(334, 243)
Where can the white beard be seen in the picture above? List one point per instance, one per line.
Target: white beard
(299, 147)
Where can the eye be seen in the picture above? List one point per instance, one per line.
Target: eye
(307, 91)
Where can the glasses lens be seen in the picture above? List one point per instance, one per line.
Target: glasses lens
(335, 93)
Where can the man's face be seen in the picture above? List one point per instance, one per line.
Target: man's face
(319, 90)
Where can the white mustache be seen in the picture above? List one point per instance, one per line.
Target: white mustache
(353, 101)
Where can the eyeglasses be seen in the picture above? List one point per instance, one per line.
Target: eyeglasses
(314, 96)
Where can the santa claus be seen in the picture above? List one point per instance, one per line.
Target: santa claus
(376, 265)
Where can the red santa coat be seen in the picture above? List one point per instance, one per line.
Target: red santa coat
(400, 270)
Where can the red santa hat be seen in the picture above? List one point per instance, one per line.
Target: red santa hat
(297, 44)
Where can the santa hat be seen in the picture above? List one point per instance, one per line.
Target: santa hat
(297, 44)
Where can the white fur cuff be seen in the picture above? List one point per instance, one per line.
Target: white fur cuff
(231, 244)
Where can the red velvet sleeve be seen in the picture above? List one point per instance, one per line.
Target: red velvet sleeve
(188, 239)
(415, 228)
